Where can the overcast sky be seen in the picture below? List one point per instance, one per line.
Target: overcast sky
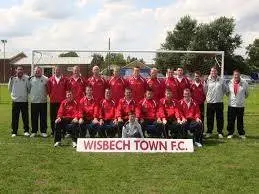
(131, 24)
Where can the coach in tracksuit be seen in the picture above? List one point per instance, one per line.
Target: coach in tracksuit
(38, 94)
(237, 93)
(19, 88)
(215, 88)
(57, 87)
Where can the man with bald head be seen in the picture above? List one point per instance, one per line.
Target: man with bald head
(77, 84)
(98, 84)
(156, 85)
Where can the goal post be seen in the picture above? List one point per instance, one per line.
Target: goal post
(190, 60)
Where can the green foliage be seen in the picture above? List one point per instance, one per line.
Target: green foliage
(69, 54)
(217, 35)
(97, 60)
(115, 59)
(253, 55)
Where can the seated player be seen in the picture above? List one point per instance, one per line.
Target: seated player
(169, 115)
(191, 118)
(146, 113)
(132, 129)
(108, 122)
(125, 105)
(67, 118)
(88, 114)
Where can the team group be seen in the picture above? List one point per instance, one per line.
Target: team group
(133, 107)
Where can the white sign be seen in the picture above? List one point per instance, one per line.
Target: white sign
(134, 145)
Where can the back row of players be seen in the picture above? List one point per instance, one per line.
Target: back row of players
(102, 106)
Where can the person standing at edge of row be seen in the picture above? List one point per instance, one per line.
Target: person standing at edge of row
(170, 82)
(38, 94)
(237, 93)
(98, 84)
(19, 88)
(198, 93)
(57, 87)
(137, 84)
(182, 82)
(156, 85)
(76, 83)
(117, 84)
(215, 89)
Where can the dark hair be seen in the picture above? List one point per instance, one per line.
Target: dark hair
(19, 66)
(131, 112)
(127, 88)
(236, 70)
(197, 72)
(149, 89)
(137, 67)
(168, 89)
(88, 86)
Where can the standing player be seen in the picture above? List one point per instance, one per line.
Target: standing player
(137, 84)
(88, 114)
(57, 87)
(170, 82)
(67, 118)
(146, 113)
(117, 84)
(169, 115)
(19, 88)
(190, 114)
(98, 84)
(38, 94)
(156, 85)
(215, 89)
(237, 93)
(198, 93)
(76, 83)
(125, 105)
(182, 81)
(108, 121)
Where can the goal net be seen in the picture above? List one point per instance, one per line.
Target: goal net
(163, 60)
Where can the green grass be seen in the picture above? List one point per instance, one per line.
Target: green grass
(221, 166)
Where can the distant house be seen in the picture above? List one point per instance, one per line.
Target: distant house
(48, 64)
(6, 69)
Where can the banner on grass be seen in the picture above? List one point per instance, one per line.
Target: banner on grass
(134, 145)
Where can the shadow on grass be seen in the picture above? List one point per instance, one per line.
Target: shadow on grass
(252, 137)
(213, 142)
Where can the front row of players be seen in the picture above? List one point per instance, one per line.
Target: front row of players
(128, 119)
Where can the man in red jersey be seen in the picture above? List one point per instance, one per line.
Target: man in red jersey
(76, 84)
(108, 121)
(182, 82)
(156, 85)
(170, 82)
(57, 86)
(117, 84)
(124, 107)
(88, 114)
(67, 118)
(198, 92)
(137, 84)
(168, 114)
(191, 118)
(146, 113)
(98, 84)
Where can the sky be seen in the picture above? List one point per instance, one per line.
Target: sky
(131, 24)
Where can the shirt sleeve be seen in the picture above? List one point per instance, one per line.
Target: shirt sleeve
(123, 135)
(10, 84)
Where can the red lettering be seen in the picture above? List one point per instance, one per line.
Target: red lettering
(163, 144)
(153, 145)
(99, 145)
(137, 143)
(144, 147)
(180, 145)
(126, 144)
(119, 142)
(88, 145)
(105, 145)
(112, 145)
(173, 145)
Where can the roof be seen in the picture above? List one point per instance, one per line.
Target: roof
(54, 61)
(10, 55)
(136, 63)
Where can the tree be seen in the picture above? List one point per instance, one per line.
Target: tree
(131, 59)
(69, 54)
(97, 60)
(115, 59)
(217, 35)
(253, 55)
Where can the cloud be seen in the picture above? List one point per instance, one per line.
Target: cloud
(65, 24)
